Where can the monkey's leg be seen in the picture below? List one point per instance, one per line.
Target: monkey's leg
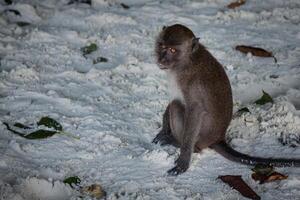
(193, 119)
(177, 112)
(176, 119)
(165, 136)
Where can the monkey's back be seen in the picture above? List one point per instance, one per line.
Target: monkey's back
(215, 93)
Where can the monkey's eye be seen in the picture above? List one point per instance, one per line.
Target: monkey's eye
(172, 50)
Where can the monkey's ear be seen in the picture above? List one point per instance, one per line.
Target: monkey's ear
(195, 44)
(164, 27)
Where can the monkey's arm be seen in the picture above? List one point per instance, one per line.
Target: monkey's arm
(165, 136)
(193, 121)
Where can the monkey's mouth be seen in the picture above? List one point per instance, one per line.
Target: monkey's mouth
(161, 66)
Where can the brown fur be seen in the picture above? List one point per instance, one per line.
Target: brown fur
(200, 116)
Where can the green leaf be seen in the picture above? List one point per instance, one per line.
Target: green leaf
(243, 110)
(8, 2)
(89, 49)
(124, 6)
(14, 131)
(100, 59)
(274, 76)
(266, 98)
(50, 123)
(80, 1)
(16, 12)
(19, 125)
(22, 24)
(263, 169)
(72, 180)
(40, 134)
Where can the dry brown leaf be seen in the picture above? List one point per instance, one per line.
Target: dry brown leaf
(237, 183)
(274, 176)
(259, 177)
(236, 4)
(94, 190)
(255, 51)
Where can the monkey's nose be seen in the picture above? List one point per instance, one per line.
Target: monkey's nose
(161, 61)
(161, 66)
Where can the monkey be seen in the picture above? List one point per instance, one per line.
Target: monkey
(200, 111)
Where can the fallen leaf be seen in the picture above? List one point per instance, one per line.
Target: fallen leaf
(14, 131)
(124, 6)
(99, 59)
(8, 2)
(275, 176)
(16, 12)
(50, 123)
(89, 49)
(274, 76)
(259, 177)
(94, 191)
(243, 110)
(263, 169)
(22, 24)
(80, 1)
(72, 180)
(19, 125)
(265, 98)
(237, 183)
(266, 173)
(40, 134)
(236, 4)
(255, 51)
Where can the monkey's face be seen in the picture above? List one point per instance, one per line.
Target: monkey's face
(167, 56)
(174, 46)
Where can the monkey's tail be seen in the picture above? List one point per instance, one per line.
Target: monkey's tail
(225, 150)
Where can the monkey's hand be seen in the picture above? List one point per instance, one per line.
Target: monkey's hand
(182, 164)
(163, 138)
(159, 137)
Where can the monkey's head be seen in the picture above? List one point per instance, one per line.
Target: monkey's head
(174, 46)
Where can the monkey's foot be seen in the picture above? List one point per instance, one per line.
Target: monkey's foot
(177, 170)
(181, 166)
(164, 139)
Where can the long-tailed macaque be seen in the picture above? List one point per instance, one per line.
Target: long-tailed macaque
(201, 107)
